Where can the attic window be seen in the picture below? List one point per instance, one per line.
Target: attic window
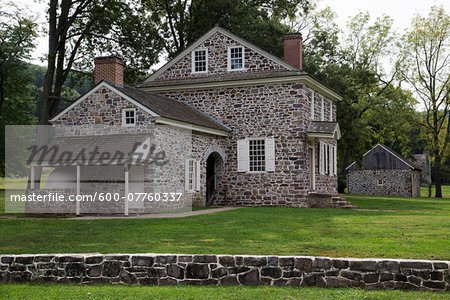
(235, 58)
(380, 182)
(200, 61)
(129, 117)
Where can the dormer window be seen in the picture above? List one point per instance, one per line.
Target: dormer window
(235, 58)
(200, 61)
(129, 117)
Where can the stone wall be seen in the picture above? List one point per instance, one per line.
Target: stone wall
(394, 182)
(279, 111)
(217, 46)
(180, 269)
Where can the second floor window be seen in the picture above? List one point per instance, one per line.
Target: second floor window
(200, 61)
(129, 117)
(235, 58)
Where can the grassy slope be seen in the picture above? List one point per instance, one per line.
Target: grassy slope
(192, 292)
(412, 228)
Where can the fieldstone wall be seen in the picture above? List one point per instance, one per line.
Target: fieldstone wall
(279, 111)
(180, 269)
(217, 46)
(395, 182)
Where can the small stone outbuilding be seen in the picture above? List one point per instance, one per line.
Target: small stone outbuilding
(383, 172)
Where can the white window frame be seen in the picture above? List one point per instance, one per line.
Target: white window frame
(335, 160)
(193, 60)
(250, 140)
(192, 175)
(243, 155)
(311, 105)
(229, 58)
(322, 109)
(124, 117)
(380, 184)
(331, 110)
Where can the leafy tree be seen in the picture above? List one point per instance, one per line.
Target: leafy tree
(17, 34)
(181, 22)
(374, 107)
(427, 58)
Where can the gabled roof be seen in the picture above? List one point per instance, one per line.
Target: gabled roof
(407, 162)
(323, 129)
(159, 106)
(231, 36)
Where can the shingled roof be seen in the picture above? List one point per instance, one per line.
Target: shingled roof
(323, 129)
(160, 105)
(169, 108)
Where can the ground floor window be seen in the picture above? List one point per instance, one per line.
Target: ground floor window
(192, 176)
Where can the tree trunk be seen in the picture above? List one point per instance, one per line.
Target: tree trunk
(437, 177)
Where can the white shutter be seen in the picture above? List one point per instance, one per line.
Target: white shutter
(242, 155)
(270, 155)
(326, 163)
(197, 175)
(322, 109)
(311, 106)
(331, 159)
(186, 175)
(331, 110)
(321, 158)
(335, 160)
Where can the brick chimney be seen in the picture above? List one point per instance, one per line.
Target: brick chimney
(109, 67)
(293, 46)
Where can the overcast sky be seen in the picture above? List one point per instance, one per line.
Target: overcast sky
(401, 11)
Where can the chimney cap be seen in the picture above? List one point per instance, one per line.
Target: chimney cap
(98, 58)
(292, 36)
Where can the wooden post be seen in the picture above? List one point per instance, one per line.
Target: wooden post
(32, 177)
(127, 168)
(78, 190)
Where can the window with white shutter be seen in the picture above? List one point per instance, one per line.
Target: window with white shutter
(311, 105)
(256, 155)
(242, 156)
(331, 111)
(322, 109)
(321, 158)
(270, 155)
(331, 159)
(335, 160)
(192, 175)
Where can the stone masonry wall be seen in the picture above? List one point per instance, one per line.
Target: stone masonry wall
(217, 46)
(395, 182)
(279, 111)
(180, 269)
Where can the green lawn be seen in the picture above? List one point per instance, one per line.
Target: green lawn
(391, 227)
(192, 292)
(445, 191)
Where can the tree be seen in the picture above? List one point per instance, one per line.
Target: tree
(374, 107)
(427, 53)
(17, 34)
(181, 22)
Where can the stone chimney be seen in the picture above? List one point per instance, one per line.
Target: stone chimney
(109, 67)
(293, 46)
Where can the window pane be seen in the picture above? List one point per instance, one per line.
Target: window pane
(257, 155)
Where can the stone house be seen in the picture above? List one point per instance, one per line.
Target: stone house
(384, 172)
(262, 131)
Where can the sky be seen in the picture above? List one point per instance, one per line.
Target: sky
(402, 11)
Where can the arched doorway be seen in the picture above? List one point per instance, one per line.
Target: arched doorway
(213, 167)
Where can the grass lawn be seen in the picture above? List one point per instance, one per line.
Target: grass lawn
(392, 227)
(445, 191)
(192, 292)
